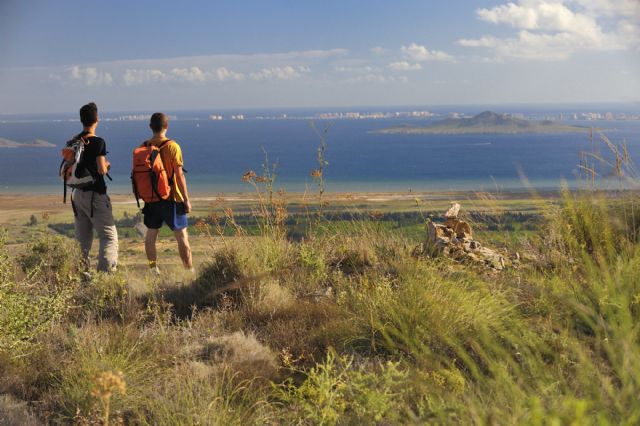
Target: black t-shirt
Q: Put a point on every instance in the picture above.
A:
(95, 148)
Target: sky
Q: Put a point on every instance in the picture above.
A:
(150, 55)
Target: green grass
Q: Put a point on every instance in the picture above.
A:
(340, 325)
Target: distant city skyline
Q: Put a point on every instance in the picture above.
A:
(151, 55)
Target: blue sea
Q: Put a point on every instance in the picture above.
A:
(217, 153)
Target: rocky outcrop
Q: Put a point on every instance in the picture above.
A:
(454, 239)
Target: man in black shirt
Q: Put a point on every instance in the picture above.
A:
(92, 205)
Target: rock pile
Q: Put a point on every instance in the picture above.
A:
(454, 239)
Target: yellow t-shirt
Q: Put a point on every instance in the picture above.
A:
(171, 155)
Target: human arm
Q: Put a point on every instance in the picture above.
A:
(181, 181)
(103, 165)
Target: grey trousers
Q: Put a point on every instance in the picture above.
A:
(93, 211)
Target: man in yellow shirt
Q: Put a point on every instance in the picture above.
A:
(172, 211)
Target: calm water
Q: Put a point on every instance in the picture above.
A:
(218, 153)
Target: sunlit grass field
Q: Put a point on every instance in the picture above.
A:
(340, 325)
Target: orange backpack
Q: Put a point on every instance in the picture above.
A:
(148, 176)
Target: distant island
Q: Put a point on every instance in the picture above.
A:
(36, 143)
(485, 122)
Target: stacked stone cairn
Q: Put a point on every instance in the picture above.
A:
(454, 239)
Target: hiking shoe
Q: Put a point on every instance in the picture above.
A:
(85, 276)
(154, 271)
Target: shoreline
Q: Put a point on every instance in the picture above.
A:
(17, 208)
(14, 200)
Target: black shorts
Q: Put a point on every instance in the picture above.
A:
(169, 212)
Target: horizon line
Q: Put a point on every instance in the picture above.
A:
(435, 105)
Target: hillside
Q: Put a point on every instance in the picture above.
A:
(485, 122)
(358, 322)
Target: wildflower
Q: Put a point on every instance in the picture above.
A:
(106, 383)
(262, 179)
(281, 214)
(202, 226)
(316, 173)
(248, 176)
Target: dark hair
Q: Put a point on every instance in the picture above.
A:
(89, 114)
(158, 122)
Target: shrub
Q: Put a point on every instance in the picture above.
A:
(7, 270)
(52, 260)
(338, 391)
(26, 313)
(44, 296)
(104, 297)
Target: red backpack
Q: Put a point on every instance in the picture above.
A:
(148, 176)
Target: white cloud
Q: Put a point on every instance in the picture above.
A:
(89, 76)
(190, 75)
(404, 66)
(551, 30)
(541, 15)
(628, 8)
(365, 69)
(416, 52)
(279, 73)
(377, 78)
(630, 32)
(223, 74)
(196, 75)
(530, 46)
(378, 50)
(194, 70)
(136, 77)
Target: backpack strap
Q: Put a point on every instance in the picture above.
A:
(162, 145)
(84, 138)
(64, 181)
(165, 143)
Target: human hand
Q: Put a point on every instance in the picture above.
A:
(187, 206)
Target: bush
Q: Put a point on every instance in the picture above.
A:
(104, 297)
(337, 391)
(52, 260)
(26, 313)
(43, 297)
